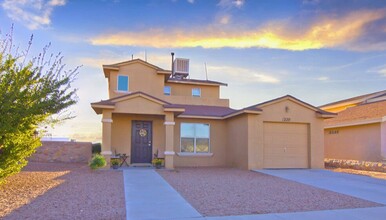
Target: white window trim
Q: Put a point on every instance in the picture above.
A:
(123, 92)
(186, 154)
(128, 82)
(194, 153)
(199, 89)
(170, 90)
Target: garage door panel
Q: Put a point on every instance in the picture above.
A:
(285, 145)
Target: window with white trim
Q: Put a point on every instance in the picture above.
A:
(195, 138)
(167, 90)
(196, 92)
(123, 83)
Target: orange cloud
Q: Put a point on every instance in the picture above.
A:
(323, 33)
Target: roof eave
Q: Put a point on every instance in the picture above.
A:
(98, 108)
(108, 68)
(354, 123)
(200, 117)
(325, 116)
(164, 72)
(197, 83)
(243, 111)
(166, 109)
(353, 100)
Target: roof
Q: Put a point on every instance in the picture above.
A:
(363, 112)
(110, 103)
(356, 99)
(203, 110)
(112, 100)
(115, 66)
(199, 111)
(316, 109)
(159, 70)
(196, 81)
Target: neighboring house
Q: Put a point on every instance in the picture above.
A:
(359, 130)
(153, 110)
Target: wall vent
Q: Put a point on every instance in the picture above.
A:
(181, 67)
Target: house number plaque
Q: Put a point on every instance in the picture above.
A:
(142, 132)
(286, 119)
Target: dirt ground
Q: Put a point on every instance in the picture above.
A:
(73, 191)
(225, 191)
(63, 191)
(378, 175)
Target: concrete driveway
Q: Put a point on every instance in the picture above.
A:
(148, 196)
(363, 187)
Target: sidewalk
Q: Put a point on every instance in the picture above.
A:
(149, 196)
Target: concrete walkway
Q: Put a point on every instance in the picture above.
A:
(149, 196)
(363, 187)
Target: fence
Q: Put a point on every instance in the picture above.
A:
(63, 151)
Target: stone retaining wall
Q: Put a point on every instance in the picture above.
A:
(61, 151)
(355, 164)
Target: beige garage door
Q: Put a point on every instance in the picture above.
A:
(285, 145)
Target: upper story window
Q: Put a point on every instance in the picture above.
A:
(195, 138)
(196, 92)
(167, 90)
(123, 83)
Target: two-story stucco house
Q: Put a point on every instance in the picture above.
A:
(151, 110)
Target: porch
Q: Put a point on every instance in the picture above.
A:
(139, 137)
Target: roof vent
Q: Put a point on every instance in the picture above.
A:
(181, 68)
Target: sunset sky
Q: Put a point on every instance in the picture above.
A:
(319, 51)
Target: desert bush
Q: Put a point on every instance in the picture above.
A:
(34, 92)
(97, 161)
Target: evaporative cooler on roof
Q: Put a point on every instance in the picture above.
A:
(181, 68)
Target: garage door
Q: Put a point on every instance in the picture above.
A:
(285, 145)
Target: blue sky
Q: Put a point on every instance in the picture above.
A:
(318, 51)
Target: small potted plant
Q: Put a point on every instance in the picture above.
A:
(157, 162)
(115, 163)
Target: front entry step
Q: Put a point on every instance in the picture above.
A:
(141, 165)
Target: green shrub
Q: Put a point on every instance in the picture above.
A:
(34, 92)
(115, 161)
(97, 162)
(96, 148)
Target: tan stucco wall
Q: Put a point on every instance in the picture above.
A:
(218, 143)
(138, 105)
(237, 142)
(297, 113)
(245, 137)
(182, 94)
(361, 142)
(121, 132)
(186, 90)
(141, 78)
(145, 79)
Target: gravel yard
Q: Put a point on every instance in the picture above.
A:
(63, 191)
(225, 191)
(374, 174)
